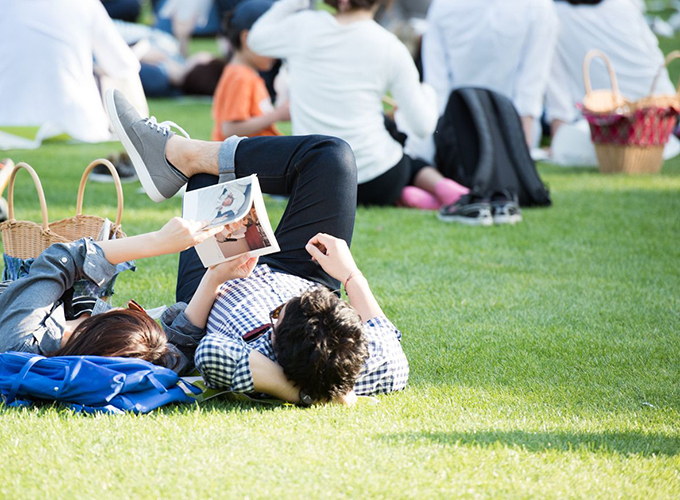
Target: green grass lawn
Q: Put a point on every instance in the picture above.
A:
(544, 360)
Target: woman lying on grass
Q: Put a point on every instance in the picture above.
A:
(36, 315)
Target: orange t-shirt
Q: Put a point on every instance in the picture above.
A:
(240, 94)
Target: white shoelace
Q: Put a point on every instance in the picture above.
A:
(164, 127)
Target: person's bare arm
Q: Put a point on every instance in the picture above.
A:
(528, 128)
(555, 126)
(175, 236)
(268, 377)
(201, 303)
(253, 126)
(335, 258)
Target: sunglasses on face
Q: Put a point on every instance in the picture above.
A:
(274, 315)
(134, 306)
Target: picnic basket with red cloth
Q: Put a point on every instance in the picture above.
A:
(629, 137)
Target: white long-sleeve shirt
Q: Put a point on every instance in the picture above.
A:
(46, 65)
(502, 45)
(338, 77)
(617, 28)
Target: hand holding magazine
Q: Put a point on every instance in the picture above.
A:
(238, 206)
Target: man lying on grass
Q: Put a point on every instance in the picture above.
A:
(280, 331)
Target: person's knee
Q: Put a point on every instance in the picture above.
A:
(338, 157)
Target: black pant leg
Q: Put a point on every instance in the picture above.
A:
(385, 190)
(319, 175)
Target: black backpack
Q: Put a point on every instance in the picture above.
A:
(480, 144)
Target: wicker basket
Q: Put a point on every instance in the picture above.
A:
(82, 226)
(26, 239)
(629, 159)
(601, 100)
(629, 137)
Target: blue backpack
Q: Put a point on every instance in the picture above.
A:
(91, 383)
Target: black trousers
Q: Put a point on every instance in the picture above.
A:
(318, 174)
(385, 190)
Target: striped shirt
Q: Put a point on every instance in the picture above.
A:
(243, 305)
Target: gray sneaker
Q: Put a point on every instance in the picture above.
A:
(144, 140)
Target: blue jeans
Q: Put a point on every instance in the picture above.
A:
(318, 174)
(156, 82)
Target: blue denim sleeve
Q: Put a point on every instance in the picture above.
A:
(30, 316)
(182, 334)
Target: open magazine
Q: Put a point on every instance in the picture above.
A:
(238, 206)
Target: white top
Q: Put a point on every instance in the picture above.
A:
(616, 27)
(338, 77)
(502, 45)
(46, 65)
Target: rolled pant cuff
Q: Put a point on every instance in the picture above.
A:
(226, 159)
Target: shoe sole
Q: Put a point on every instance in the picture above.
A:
(507, 219)
(140, 168)
(484, 221)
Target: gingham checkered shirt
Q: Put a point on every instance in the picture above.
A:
(243, 305)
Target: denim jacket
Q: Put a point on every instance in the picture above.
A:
(32, 317)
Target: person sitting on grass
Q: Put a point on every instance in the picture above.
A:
(281, 331)
(341, 66)
(37, 315)
(241, 105)
(503, 46)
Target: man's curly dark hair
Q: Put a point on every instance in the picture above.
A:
(319, 342)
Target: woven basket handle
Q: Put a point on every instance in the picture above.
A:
(38, 188)
(592, 54)
(116, 181)
(669, 59)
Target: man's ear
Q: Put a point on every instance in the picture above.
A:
(243, 36)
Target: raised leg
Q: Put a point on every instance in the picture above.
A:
(318, 173)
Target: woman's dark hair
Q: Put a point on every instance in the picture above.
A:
(231, 33)
(121, 332)
(202, 79)
(360, 4)
(319, 342)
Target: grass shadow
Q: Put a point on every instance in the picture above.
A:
(223, 405)
(624, 443)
